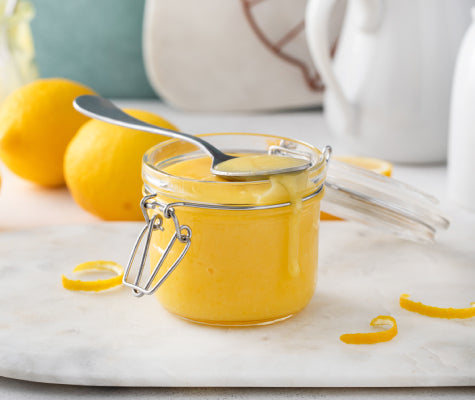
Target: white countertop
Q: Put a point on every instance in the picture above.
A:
(20, 390)
(23, 205)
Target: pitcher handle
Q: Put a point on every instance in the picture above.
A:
(317, 17)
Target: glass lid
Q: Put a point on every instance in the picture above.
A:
(367, 197)
(351, 192)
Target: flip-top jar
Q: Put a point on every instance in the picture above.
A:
(231, 253)
(246, 253)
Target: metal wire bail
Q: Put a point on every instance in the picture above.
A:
(182, 234)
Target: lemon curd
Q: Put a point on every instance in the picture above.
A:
(259, 163)
(253, 254)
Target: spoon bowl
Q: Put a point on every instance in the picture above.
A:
(104, 110)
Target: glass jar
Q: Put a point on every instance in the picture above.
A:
(246, 253)
(230, 253)
(17, 54)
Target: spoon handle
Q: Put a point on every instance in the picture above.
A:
(104, 110)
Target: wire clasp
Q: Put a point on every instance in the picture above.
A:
(143, 285)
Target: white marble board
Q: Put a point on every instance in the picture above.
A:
(49, 334)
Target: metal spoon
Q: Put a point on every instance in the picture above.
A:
(102, 109)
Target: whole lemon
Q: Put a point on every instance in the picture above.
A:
(102, 166)
(37, 121)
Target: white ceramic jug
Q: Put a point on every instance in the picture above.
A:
(388, 87)
(461, 160)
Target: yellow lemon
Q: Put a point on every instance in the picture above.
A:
(37, 121)
(102, 166)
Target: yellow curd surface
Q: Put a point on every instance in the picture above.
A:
(245, 266)
(259, 163)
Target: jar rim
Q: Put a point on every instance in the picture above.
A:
(156, 179)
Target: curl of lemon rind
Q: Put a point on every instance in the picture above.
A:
(436, 312)
(373, 337)
(99, 284)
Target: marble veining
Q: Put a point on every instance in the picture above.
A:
(49, 334)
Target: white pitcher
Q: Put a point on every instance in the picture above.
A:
(461, 162)
(388, 87)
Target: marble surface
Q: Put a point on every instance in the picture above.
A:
(49, 334)
(23, 206)
(12, 389)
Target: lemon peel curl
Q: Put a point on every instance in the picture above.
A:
(436, 312)
(373, 337)
(96, 285)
